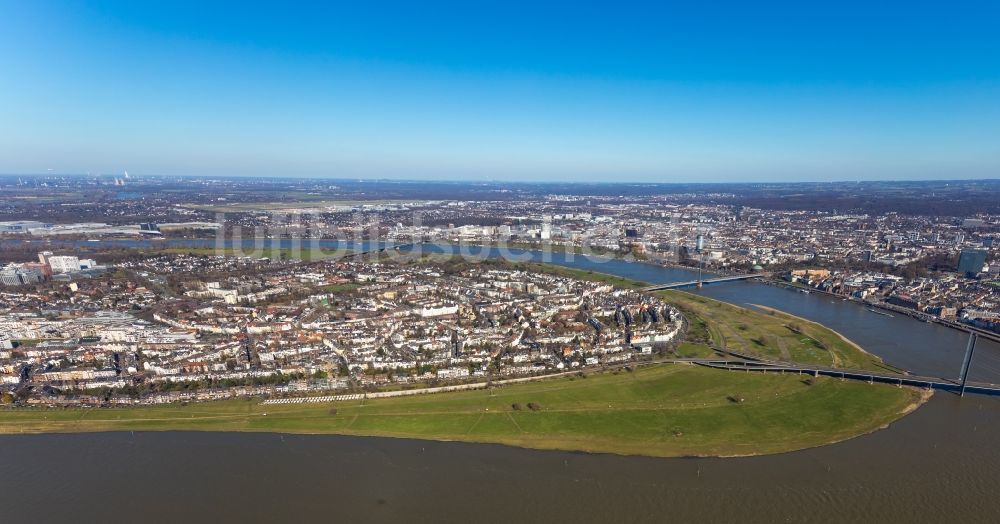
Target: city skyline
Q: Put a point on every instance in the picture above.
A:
(507, 93)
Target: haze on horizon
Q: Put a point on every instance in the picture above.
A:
(504, 91)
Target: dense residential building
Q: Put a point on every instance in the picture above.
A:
(315, 326)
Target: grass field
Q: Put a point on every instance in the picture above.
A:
(769, 333)
(661, 410)
(693, 350)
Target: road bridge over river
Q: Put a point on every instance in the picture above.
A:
(700, 282)
(753, 363)
(854, 374)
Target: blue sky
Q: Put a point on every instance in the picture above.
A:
(707, 91)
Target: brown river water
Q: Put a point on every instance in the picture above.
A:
(938, 464)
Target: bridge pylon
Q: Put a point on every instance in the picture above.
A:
(967, 361)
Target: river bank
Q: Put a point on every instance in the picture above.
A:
(929, 466)
(916, 315)
(806, 320)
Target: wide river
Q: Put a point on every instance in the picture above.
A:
(939, 463)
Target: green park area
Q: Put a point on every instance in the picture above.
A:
(769, 334)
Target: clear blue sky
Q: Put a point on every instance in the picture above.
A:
(478, 90)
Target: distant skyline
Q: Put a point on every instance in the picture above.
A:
(505, 91)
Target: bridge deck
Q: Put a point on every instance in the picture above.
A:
(855, 374)
(674, 285)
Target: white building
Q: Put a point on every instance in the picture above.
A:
(64, 264)
(438, 311)
(17, 274)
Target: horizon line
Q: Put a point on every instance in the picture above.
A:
(506, 181)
